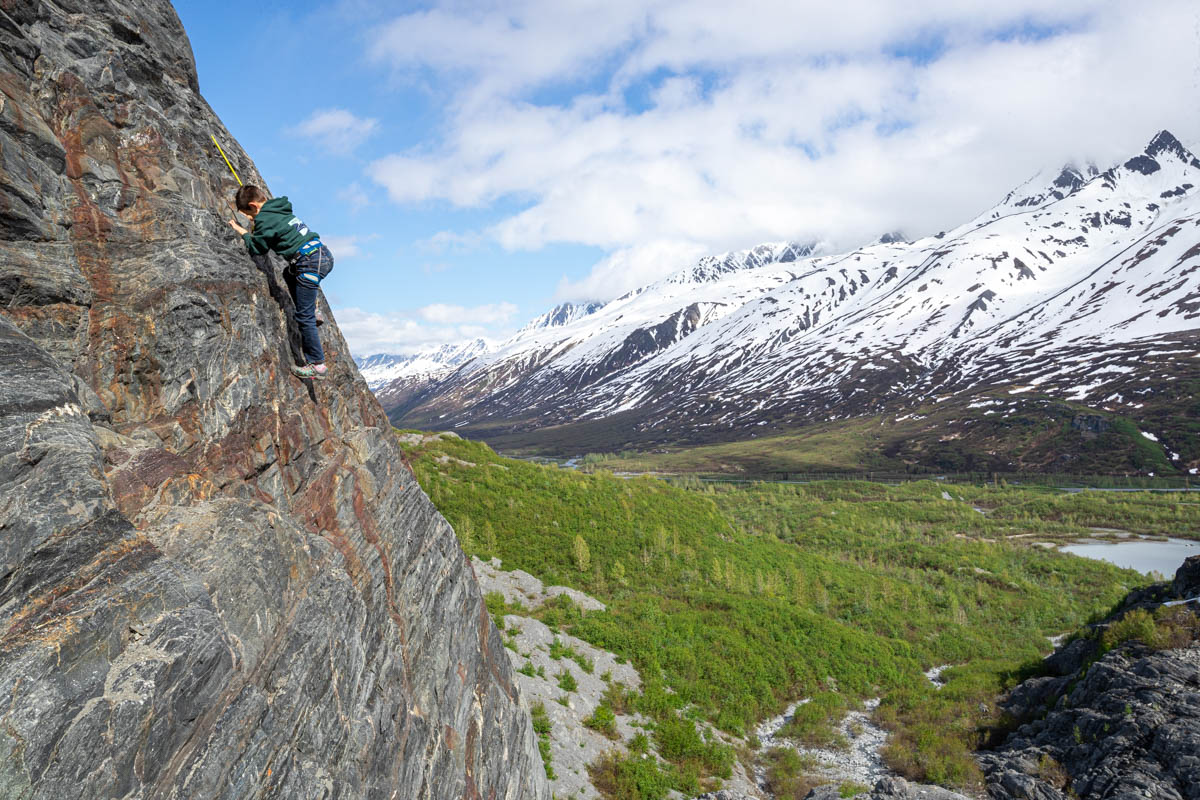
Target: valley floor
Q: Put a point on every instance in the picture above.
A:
(732, 602)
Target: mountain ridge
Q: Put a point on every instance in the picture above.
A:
(783, 338)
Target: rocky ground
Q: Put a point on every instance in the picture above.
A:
(858, 763)
(1117, 725)
(531, 646)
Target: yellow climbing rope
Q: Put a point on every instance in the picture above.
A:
(222, 152)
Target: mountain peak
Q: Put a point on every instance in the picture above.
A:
(711, 268)
(1164, 142)
(1037, 191)
(563, 314)
(1071, 178)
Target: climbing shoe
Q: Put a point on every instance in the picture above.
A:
(310, 371)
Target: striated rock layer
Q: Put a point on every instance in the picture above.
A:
(215, 580)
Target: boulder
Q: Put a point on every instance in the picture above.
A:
(1186, 585)
(1126, 725)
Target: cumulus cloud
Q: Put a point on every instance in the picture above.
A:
(452, 242)
(336, 129)
(663, 129)
(478, 315)
(354, 197)
(342, 247)
(629, 268)
(402, 333)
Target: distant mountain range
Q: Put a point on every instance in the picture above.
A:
(1079, 289)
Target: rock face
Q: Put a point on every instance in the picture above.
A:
(215, 580)
(1124, 726)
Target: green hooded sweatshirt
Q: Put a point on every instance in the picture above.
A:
(277, 228)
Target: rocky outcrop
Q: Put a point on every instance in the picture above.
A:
(1124, 725)
(890, 788)
(215, 581)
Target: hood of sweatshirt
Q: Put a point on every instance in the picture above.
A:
(277, 205)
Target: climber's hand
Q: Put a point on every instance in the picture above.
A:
(241, 231)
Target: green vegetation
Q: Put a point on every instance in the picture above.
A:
(789, 774)
(935, 730)
(732, 600)
(815, 723)
(541, 728)
(631, 777)
(1165, 628)
(679, 742)
(603, 720)
(558, 651)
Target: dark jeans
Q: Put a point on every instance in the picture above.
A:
(299, 276)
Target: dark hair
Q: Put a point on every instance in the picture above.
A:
(248, 194)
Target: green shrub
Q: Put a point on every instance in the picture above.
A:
(559, 651)
(789, 775)
(603, 720)
(620, 777)
(678, 740)
(814, 723)
(541, 728)
(1136, 625)
(566, 681)
(619, 697)
(541, 722)
(1168, 627)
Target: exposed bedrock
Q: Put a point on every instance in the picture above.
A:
(1121, 726)
(215, 580)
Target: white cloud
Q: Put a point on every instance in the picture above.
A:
(368, 332)
(342, 247)
(660, 129)
(354, 197)
(336, 129)
(629, 268)
(461, 315)
(452, 242)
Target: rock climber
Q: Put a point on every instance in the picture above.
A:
(275, 227)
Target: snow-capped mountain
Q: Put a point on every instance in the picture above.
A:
(1078, 285)
(381, 369)
(561, 315)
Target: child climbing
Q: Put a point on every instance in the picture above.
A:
(276, 228)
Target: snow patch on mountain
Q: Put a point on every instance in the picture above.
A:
(380, 369)
(1065, 286)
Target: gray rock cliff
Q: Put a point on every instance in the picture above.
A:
(1118, 725)
(215, 581)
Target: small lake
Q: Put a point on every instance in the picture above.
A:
(1141, 554)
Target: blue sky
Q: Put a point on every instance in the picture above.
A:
(474, 163)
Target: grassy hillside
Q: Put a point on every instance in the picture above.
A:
(733, 600)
